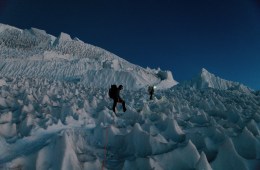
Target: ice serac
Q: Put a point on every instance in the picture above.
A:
(173, 131)
(69, 59)
(47, 124)
(246, 144)
(208, 80)
(180, 158)
(203, 163)
(228, 158)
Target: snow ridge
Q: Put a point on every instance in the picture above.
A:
(34, 53)
(208, 80)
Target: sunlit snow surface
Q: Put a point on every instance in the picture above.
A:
(59, 116)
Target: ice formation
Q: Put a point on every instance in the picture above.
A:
(55, 112)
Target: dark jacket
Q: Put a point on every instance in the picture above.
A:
(117, 95)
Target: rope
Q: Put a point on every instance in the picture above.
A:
(105, 149)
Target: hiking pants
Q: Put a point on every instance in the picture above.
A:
(151, 96)
(118, 101)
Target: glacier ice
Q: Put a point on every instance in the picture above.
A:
(55, 112)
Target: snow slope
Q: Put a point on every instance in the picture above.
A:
(208, 80)
(56, 119)
(34, 53)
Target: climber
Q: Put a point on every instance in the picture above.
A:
(151, 91)
(114, 93)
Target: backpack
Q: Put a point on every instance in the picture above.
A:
(112, 91)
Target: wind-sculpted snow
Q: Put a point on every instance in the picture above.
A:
(208, 80)
(33, 53)
(55, 112)
(51, 124)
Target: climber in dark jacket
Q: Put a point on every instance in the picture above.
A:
(118, 99)
(151, 91)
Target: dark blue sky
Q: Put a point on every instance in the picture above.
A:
(183, 36)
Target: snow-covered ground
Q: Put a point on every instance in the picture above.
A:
(47, 124)
(55, 112)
